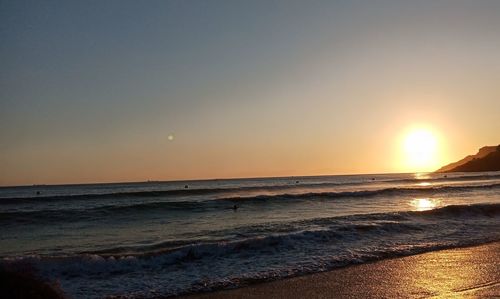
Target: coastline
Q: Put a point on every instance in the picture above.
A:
(471, 272)
(449, 273)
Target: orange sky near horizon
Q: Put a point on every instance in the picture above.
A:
(173, 91)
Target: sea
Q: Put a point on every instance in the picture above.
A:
(160, 239)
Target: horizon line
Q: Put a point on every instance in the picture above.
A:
(207, 179)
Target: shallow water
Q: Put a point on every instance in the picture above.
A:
(167, 238)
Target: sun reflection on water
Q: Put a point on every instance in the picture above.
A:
(421, 176)
(424, 204)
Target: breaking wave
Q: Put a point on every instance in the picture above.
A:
(325, 243)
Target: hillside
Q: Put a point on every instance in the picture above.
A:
(487, 159)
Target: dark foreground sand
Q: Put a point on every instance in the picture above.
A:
(24, 285)
(472, 272)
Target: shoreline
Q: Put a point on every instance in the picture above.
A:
(471, 271)
(461, 271)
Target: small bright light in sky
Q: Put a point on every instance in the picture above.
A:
(420, 148)
(170, 137)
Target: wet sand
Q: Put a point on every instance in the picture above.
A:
(472, 272)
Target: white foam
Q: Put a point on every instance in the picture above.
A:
(328, 243)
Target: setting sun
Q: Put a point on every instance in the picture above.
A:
(203, 148)
(420, 147)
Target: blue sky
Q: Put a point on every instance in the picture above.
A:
(91, 90)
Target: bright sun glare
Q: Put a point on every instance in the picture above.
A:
(423, 204)
(420, 147)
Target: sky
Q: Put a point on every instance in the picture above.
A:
(107, 91)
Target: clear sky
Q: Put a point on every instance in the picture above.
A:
(102, 91)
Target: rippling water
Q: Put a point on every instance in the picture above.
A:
(168, 238)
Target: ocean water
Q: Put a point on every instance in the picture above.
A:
(169, 238)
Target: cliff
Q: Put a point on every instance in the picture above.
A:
(487, 159)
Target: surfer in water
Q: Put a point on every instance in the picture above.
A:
(235, 207)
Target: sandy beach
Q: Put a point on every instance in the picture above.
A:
(471, 272)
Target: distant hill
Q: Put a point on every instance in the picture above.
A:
(483, 152)
(487, 159)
